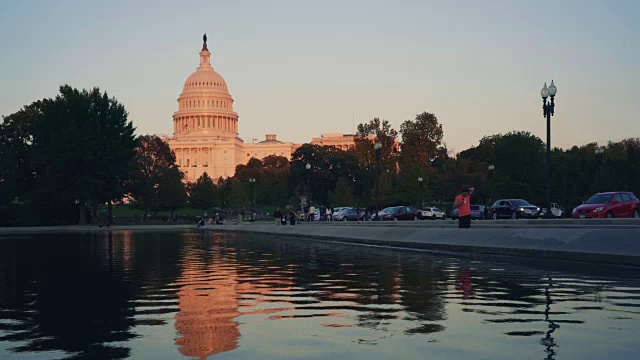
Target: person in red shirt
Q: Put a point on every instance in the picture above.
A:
(463, 204)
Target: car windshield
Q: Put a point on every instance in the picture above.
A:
(345, 210)
(475, 207)
(386, 210)
(599, 199)
(435, 210)
(518, 202)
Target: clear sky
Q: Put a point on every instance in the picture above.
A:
(299, 68)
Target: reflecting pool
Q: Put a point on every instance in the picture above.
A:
(171, 295)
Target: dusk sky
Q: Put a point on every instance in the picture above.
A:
(299, 68)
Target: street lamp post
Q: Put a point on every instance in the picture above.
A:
(252, 183)
(548, 111)
(420, 185)
(599, 156)
(308, 167)
(377, 147)
(491, 167)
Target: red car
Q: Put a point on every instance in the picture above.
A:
(609, 205)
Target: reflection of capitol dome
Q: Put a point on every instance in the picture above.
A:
(205, 105)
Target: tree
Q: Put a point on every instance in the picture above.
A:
(514, 176)
(155, 181)
(343, 194)
(202, 194)
(327, 165)
(368, 134)
(83, 143)
(17, 177)
(238, 197)
(420, 141)
(376, 130)
(172, 193)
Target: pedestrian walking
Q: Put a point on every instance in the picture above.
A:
(463, 204)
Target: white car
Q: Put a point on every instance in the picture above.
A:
(433, 213)
(555, 210)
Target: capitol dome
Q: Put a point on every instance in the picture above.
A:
(205, 79)
(205, 105)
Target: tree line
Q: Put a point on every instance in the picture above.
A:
(62, 158)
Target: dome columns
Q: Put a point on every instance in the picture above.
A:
(197, 123)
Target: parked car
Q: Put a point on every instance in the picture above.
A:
(556, 211)
(514, 209)
(396, 213)
(348, 214)
(609, 205)
(477, 212)
(433, 213)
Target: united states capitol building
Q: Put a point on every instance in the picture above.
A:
(206, 134)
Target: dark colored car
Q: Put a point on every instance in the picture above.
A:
(514, 209)
(477, 212)
(396, 213)
(609, 205)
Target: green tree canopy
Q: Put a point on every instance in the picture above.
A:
(154, 179)
(83, 143)
(202, 194)
(420, 141)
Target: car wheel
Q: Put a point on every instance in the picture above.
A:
(444, 217)
(344, 218)
(434, 217)
(514, 215)
(609, 215)
(636, 214)
(494, 215)
(395, 219)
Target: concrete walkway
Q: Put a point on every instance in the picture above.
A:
(614, 241)
(603, 242)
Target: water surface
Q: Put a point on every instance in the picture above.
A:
(171, 295)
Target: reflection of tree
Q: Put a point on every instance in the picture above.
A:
(74, 303)
(548, 340)
(424, 285)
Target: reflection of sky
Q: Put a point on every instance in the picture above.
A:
(479, 66)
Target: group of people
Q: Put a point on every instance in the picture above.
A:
(281, 217)
(217, 220)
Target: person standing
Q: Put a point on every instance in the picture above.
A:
(463, 204)
(292, 217)
(277, 215)
(328, 213)
(312, 212)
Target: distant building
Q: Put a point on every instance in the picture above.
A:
(205, 129)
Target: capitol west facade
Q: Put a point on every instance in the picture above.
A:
(205, 129)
